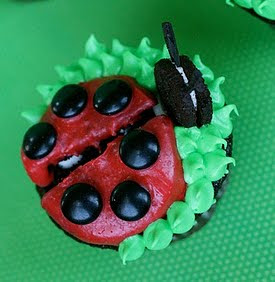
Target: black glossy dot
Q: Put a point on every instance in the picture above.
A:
(69, 101)
(139, 149)
(130, 201)
(39, 140)
(112, 97)
(81, 203)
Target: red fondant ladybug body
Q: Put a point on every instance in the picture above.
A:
(129, 184)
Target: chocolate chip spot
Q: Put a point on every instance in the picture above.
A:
(139, 149)
(81, 203)
(112, 97)
(39, 140)
(130, 201)
(69, 101)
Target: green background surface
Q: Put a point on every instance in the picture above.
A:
(236, 245)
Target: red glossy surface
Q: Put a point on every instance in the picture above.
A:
(86, 129)
(163, 180)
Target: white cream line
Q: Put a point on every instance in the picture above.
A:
(70, 162)
(182, 73)
(194, 99)
(158, 111)
(185, 79)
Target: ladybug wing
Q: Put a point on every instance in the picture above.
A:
(154, 181)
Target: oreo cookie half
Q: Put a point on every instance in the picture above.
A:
(183, 93)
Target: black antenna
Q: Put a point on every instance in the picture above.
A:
(171, 43)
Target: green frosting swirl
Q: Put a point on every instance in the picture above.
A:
(207, 73)
(180, 217)
(221, 119)
(216, 93)
(34, 115)
(158, 235)
(131, 248)
(264, 8)
(200, 195)
(201, 149)
(212, 165)
(203, 140)
(243, 3)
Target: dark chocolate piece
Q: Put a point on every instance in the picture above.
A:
(112, 97)
(39, 140)
(171, 43)
(69, 101)
(175, 93)
(129, 201)
(81, 203)
(139, 149)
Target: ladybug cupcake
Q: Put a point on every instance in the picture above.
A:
(132, 146)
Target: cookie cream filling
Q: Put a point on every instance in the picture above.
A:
(70, 162)
(158, 110)
(194, 99)
(185, 79)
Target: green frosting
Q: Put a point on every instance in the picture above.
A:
(131, 248)
(207, 73)
(221, 119)
(201, 149)
(264, 8)
(48, 91)
(180, 217)
(200, 195)
(203, 140)
(34, 115)
(158, 235)
(212, 165)
(243, 3)
(216, 93)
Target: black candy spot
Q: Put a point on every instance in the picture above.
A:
(39, 140)
(112, 97)
(69, 101)
(139, 149)
(81, 203)
(130, 201)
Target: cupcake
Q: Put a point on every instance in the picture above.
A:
(264, 9)
(131, 147)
